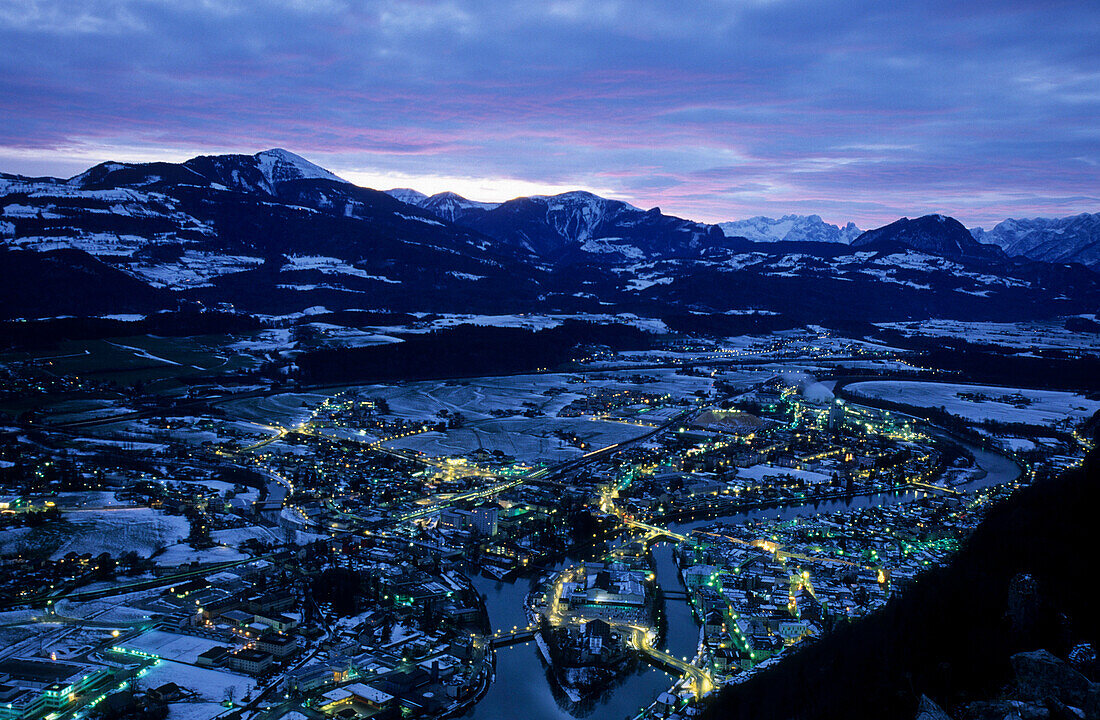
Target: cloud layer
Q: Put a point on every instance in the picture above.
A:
(854, 109)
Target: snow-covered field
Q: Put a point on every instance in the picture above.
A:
(1046, 408)
(104, 611)
(87, 498)
(527, 440)
(474, 398)
(759, 472)
(97, 531)
(141, 434)
(350, 337)
(193, 269)
(1015, 444)
(233, 537)
(287, 409)
(182, 553)
(170, 646)
(264, 341)
(195, 710)
(87, 409)
(210, 685)
(1038, 335)
(532, 321)
(329, 266)
(131, 445)
(117, 531)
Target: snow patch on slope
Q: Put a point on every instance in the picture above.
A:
(278, 165)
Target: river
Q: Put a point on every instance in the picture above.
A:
(998, 469)
(523, 689)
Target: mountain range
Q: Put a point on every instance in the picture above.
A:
(1068, 239)
(274, 234)
(798, 228)
(1074, 239)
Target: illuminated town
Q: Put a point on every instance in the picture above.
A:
(565, 360)
(642, 528)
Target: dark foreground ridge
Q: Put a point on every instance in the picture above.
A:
(951, 635)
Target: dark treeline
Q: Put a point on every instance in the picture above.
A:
(981, 363)
(362, 318)
(722, 325)
(950, 634)
(48, 332)
(467, 350)
(1019, 371)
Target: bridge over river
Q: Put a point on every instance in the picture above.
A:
(701, 681)
(518, 635)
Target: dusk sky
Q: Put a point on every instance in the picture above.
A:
(861, 110)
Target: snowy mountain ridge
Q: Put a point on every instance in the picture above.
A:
(451, 206)
(790, 228)
(273, 233)
(1070, 239)
(264, 172)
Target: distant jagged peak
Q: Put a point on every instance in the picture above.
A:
(452, 198)
(407, 195)
(452, 206)
(447, 205)
(790, 228)
(1074, 238)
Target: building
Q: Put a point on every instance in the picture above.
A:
(278, 644)
(168, 692)
(272, 602)
(213, 657)
(275, 621)
(251, 661)
(238, 618)
(312, 677)
(598, 635)
(31, 688)
(357, 696)
(482, 521)
(608, 594)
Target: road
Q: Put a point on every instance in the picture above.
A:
(123, 588)
(701, 681)
(544, 474)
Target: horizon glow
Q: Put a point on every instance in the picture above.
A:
(854, 110)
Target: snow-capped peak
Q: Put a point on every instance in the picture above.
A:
(278, 165)
(407, 195)
(790, 228)
(580, 199)
(451, 206)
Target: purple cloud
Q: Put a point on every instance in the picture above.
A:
(857, 110)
